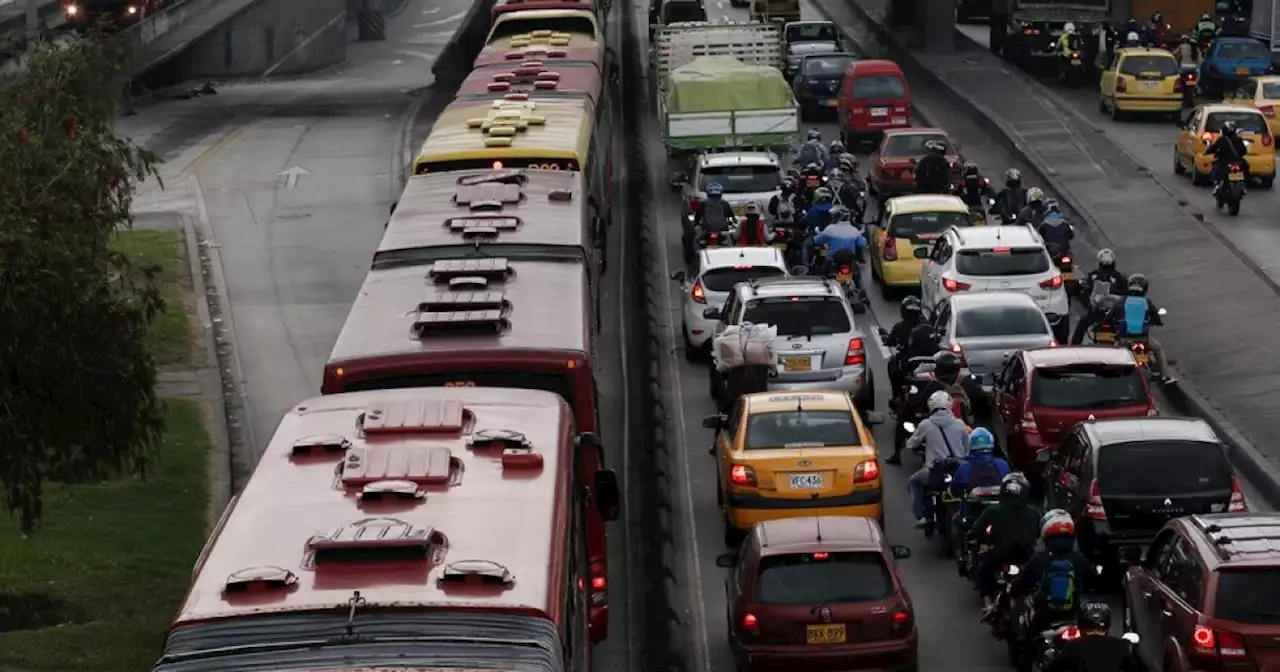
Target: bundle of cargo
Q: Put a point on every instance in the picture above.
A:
(718, 102)
(744, 345)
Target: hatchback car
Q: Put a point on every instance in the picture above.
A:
(987, 328)
(893, 164)
(995, 259)
(719, 269)
(109, 13)
(1140, 80)
(904, 224)
(816, 81)
(1206, 594)
(1230, 60)
(1123, 479)
(874, 98)
(819, 345)
(819, 594)
(1262, 94)
(1040, 394)
(747, 177)
(1205, 125)
(787, 454)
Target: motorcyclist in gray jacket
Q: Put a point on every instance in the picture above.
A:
(942, 435)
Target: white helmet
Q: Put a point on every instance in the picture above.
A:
(1106, 257)
(1035, 194)
(1069, 28)
(1131, 37)
(939, 401)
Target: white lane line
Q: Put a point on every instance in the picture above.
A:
(431, 10)
(441, 22)
(430, 38)
(416, 54)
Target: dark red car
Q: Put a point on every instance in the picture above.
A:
(819, 594)
(1041, 394)
(893, 163)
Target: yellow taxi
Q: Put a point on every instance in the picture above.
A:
(1204, 126)
(908, 223)
(1262, 94)
(1140, 80)
(794, 454)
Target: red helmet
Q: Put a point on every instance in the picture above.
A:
(1057, 523)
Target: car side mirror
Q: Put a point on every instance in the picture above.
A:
(1042, 457)
(873, 419)
(1222, 8)
(726, 560)
(1131, 555)
(679, 276)
(920, 253)
(711, 313)
(716, 422)
(607, 494)
(900, 552)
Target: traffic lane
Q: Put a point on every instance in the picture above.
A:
(1151, 142)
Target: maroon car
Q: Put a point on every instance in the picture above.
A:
(893, 163)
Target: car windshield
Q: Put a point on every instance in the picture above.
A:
(912, 144)
(826, 66)
(742, 179)
(787, 429)
(1242, 51)
(979, 321)
(560, 24)
(812, 32)
(1246, 122)
(1149, 65)
(723, 279)
(1162, 468)
(1271, 90)
(1249, 596)
(1003, 261)
(866, 87)
(823, 578)
(678, 12)
(800, 315)
(1088, 387)
(925, 223)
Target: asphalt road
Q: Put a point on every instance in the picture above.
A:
(952, 639)
(1256, 231)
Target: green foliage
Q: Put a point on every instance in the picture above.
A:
(77, 396)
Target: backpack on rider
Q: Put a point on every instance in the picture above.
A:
(1058, 590)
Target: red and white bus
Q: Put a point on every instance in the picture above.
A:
(434, 528)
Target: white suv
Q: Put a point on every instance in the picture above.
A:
(719, 269)
(819, 345)
(995, 258)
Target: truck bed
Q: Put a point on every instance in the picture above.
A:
(694, 131)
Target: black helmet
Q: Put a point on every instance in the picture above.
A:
(1229, 128)
(946, 365)
(1138, 284)
(910, 308)
(788, 186)
(1094, 617)
(1132, 25)
(970, 169)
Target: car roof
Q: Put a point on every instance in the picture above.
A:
(718, 159)
(997, 236)
(876, 66)
(914, 130)
(914, 203)
(1239, 539)
(828, 54)
(1143, 51)
(1128, 430)
(1214, 108)
(1268, 79)
(965, 300)
(781, 400)
(819, 533)
(724, 257)
(1079, 354)
(783, 286)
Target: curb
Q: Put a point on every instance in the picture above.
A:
(1185, 397)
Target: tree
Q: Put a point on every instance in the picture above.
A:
(77, 395)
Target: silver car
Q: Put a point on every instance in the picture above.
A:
(985, 328)
(747, 177)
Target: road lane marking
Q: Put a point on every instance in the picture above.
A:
(440, 22)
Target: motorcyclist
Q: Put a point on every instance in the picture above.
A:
(982, 469)
(850, 192)
(897, 338)
(752, 231)
(1054, 578)
(1033, 212)
(811, 180)
(785, 207)
(1138, 314)
(845, 242)
(812, 150)
(975, 190)
(1095, 650)
(1157, 31)
(1054, 228)
(943, 436)
(1010, 199)
(1010, 528)
(1103, 309)
(1229, 148)
(835, 152)
(933, 171)
(816, 218)
(1186, 51)
(1104, 279)
(712, 215)
(946, 378)
(1206, 30)
(1068, 43)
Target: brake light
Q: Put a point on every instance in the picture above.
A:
(902, 617)
(1070, 633)
(1203, 640)
(1052, 283)
(845, 269)
(955, 347)
(1177, 85)
(741, 474)
(821, 555)
(1028, 423)
(954, 286)
(1268, 111)
(1230, 644)
(1066, 260)
(693, 203)
(856, 354)
(1237, 497)
(1121, 86)
(1266, 140)
(866, 472)
(1094, 504)
(1209, 642)
(890, 249)
(750, 622)
(698, 294)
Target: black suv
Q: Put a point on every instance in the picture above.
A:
(1123, 479)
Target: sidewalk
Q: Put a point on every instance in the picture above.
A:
(1224, 312)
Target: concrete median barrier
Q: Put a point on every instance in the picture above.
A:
(455, 59)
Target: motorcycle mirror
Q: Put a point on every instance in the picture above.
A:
(902, 553)
(881, 330)
(1131, 637)
(1042, 457)
(1013, 570)
(1162, 311)
(711, 314)
(726, 560)
(909, 426)
(920, 253)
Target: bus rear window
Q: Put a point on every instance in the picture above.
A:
(521, 380)
(532, 162)
(559, 24)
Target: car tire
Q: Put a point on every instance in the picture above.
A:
(732, 537)
(866, 399)
(887, 292)
(1197, 178)
(1116, 114)
(1102, 104)
(1268, 182)
(691, 353)
(1177, 165)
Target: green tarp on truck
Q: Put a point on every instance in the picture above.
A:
(718, 101)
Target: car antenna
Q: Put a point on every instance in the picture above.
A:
(355, 602)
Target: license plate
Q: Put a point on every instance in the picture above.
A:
(806, 481)
(780, 246)
(1075, 61)
(1141, 357)
(1242, 71)
(1235, 177)
(797, 363)
(831, 102)
(1150, 86)
(1104, 337)
(879, 111)
(829, 633)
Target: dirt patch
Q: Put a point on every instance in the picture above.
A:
(32, 611)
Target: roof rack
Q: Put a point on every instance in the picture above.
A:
(488, 269)
(1238, 535)
(505, 120)
(487, 195)
(482, 227)
(448, 301)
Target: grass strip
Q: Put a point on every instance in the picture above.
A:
(172, 337)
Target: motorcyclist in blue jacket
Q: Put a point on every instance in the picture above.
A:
(1054, 229)
(815, 219)
(842, 236)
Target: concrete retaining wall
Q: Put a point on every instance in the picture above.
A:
(270, 37)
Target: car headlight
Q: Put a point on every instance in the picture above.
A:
(132, 10)
(71, 10)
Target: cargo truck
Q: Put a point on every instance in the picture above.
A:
(1263, 25)
(1035, 26)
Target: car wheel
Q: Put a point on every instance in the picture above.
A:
(1268, 182)
(866, 399)
(1197, 178)
(732, 537)
(1177, 165)
(691, 353)
(1102, 104)
(1116, 114)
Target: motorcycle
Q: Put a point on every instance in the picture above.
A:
(939, 503)
(1073, 73)
(1232, 191)
(844, 276)
(784, 238)
(1138, 345)
(1066, 266)
(1000, 619)
(810, 182)
(1027, 650)
(714, 239)
(971, 550)
(1055, 638)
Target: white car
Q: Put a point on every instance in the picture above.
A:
(719, 270)
(747, 176)
(995, 259)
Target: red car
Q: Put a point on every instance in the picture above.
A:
(893, 163)
(1041, 394)
(819, 594)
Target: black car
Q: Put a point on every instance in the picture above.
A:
(816, 82)
(1123, 479)
(108, 13)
